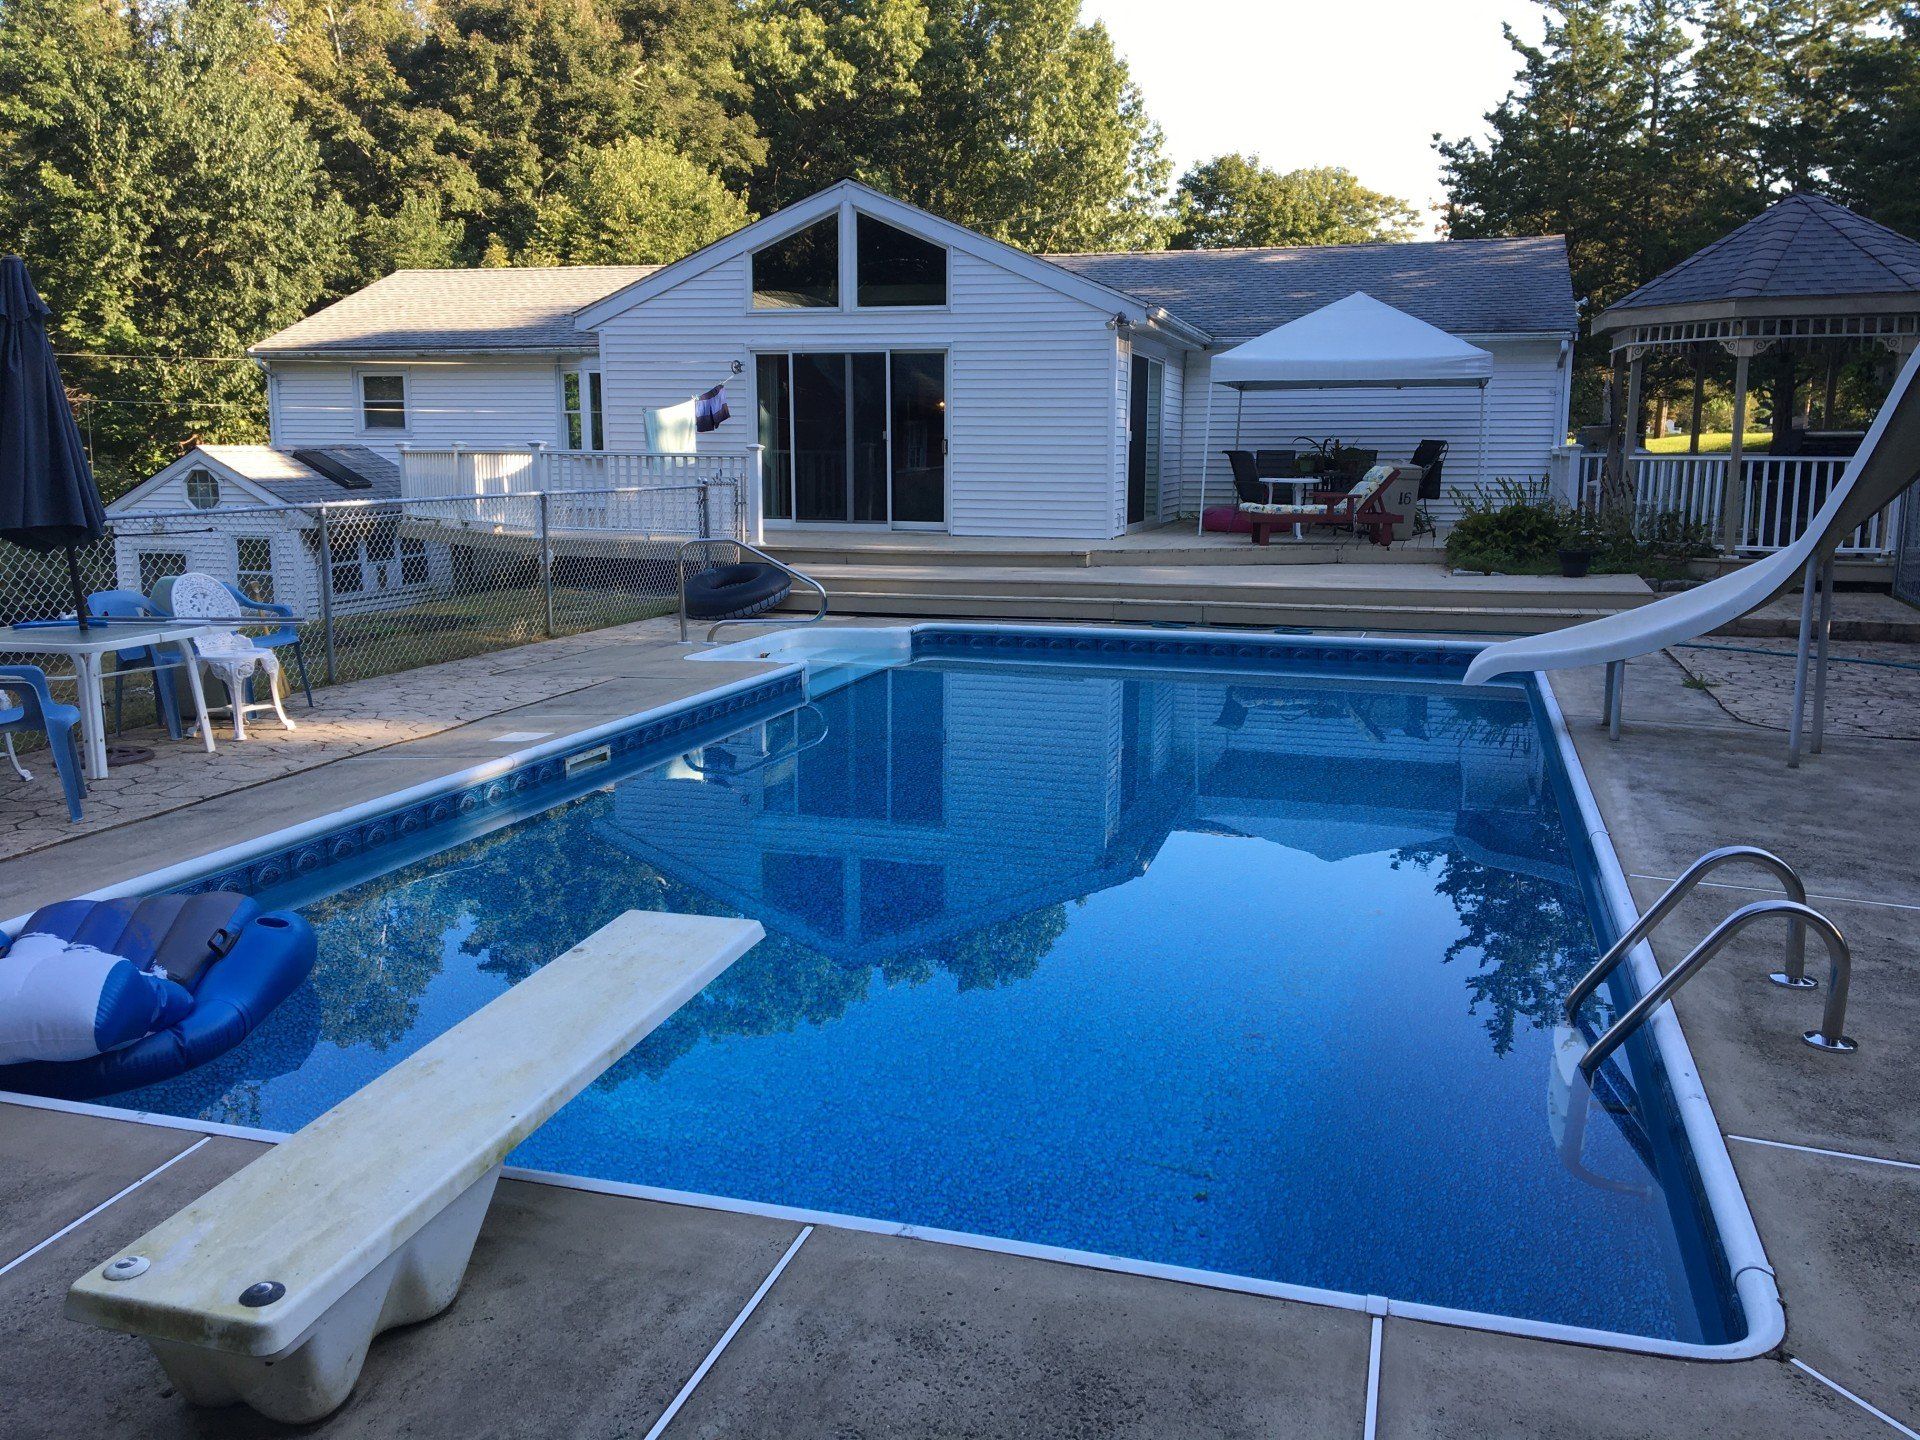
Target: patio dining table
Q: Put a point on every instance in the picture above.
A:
(86, 647)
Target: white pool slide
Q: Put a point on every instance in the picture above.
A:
(1887, 462)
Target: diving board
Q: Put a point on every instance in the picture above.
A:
(1886, 463)
(269, 1288)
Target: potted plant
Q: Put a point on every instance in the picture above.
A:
(1577, 547)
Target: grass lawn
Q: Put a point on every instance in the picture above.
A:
(381, 642)
(1712, 442)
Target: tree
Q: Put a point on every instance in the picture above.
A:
(1877, 165)
(1235, 200)
(635, 202)
(173, 207)
(1009, 116)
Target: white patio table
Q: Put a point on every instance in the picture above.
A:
(86, 647)
(1302, 487)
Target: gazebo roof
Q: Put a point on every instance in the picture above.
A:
(1804, 255)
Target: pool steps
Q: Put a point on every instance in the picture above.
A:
(270, 1288)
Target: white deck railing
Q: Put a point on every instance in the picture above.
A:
(615, 488)
(1781, 492)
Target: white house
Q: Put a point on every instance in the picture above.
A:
(904, 371)
(222, 510)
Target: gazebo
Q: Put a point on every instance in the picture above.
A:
(1806, 283)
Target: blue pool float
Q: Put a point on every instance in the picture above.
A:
(236, 960)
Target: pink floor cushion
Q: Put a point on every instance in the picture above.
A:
(1226, 519)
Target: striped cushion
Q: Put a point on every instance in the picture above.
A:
(1370, 482)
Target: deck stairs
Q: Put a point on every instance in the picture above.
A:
(1204, 587)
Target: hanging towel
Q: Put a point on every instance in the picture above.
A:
(671, 431)
(711, 409)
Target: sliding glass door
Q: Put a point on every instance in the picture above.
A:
(854, 437)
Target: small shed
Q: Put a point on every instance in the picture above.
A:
(251, 515)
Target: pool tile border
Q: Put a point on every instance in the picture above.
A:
(1425, 657)
(402, 823)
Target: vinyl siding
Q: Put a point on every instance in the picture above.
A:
(478, 403)
(1525, 420)
(1029, 384)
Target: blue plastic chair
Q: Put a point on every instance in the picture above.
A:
(131, 604)
(285, 635)
(34, 708)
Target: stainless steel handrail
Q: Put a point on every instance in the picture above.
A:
(1794, 977)
(800, 747)
(1832, 1032)
(799, 575)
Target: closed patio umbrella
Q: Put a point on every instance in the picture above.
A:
(47, 496)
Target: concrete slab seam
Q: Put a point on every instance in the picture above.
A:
(1373, 1381)
(1868, 1406)
(726, 1337)
(1763, 890)
(73, 1225)
(1831, 1154)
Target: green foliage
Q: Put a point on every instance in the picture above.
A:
(1235, 200)
(1518, 530)
(1644, 129)
(172, 206)
(1009, 116)
(634, 202)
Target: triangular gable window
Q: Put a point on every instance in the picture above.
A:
(801, 271)
(896, 268)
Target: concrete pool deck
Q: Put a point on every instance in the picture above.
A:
(592, 1314)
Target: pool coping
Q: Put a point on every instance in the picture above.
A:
(785, 652)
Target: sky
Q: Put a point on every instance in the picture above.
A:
(1358, 83)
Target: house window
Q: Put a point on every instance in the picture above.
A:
(801, 272)
(383, 402)
(896, 268)
(203, 490)
(253, 567)
(157, 565)
(586, 425)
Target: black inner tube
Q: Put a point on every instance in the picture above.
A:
(733, 592)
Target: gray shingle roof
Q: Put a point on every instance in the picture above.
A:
(1802, 246)
(503, 309)
(286, 478)
(1469, 287)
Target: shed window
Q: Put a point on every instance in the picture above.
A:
(383, 402)
(203, 489)
(801, 272)
(253, 567)
(896, 268)
(157, 565)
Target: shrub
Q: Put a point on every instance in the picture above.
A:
(1519, 529)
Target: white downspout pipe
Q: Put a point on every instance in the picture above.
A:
(1206, 452)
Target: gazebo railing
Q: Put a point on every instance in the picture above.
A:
(1781, 493)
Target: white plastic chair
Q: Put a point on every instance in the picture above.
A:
(226, 653)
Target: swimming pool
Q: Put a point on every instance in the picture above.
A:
(1224, 957)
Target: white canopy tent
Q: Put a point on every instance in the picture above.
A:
(1357, 342)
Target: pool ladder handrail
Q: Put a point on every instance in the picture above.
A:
(1793, 977)
(1831, 1036)
(800, 576)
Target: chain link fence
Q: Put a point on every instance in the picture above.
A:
(379, 586)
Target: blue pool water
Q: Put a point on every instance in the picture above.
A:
(1251, 973)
